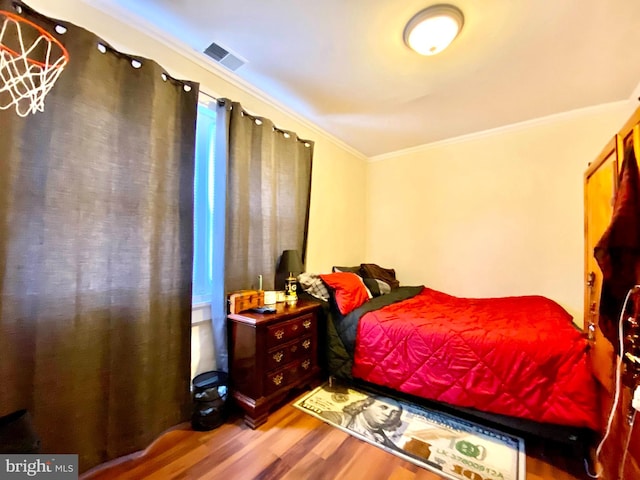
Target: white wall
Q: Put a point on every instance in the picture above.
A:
(202, 346)
(494, 214)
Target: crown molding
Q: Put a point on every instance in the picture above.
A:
(514, 127)
(118, 13)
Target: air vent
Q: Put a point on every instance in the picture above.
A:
(224, 57)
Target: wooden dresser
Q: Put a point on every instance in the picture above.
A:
(270, 354)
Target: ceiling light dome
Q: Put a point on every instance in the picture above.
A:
(433, 29)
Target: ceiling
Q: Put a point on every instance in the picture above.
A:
(342, 64)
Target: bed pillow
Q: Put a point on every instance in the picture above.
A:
(313, 285)
(349, 290)
(383, 287)
(355, 269)
(376, 287)
(372, 286)
(386, 275)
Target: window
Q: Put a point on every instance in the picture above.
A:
(206, 238)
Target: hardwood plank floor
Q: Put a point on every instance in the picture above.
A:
(295, 446)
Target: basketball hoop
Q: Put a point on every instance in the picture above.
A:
(29, 67)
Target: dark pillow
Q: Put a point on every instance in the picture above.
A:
(387, 275)
(372, 286)
(355, 269)
(384, 287)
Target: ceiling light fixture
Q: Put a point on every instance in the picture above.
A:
(432, 30)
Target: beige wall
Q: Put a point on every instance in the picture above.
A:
(491, 215)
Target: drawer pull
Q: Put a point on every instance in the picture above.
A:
(306, 364)
(294, 327)
(306, 324)
(306, 344)
(278, 356)
(278, 379)
(279, 334)
(294, 348)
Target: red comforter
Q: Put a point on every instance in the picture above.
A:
(516, 356)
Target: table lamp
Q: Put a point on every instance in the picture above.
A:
(289, 263)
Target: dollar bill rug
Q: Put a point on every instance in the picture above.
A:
(451, 447)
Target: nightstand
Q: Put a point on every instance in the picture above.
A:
(270, 354)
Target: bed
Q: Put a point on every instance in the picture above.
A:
(514, 357)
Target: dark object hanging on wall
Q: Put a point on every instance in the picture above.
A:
(17, 434)
(618, 250)
(210, 406)
(289, 263)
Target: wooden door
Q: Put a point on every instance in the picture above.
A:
(599, 192)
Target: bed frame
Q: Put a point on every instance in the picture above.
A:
(578, 441)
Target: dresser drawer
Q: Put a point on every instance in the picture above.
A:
(290, 374)
(290, 329)
(288, 352)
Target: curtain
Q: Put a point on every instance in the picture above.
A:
(268, 187)
(96, 232)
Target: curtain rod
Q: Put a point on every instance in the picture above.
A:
(215, 99)
(220, 101)
(103, 46)
(22, 8)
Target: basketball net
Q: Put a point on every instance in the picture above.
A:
(25, 80)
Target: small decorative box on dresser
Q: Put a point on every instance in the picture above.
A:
(271, 353)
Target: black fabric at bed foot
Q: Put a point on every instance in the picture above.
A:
(17, 434)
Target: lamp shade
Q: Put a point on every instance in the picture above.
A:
(432, 30)
(290, 262)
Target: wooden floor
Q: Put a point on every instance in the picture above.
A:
(294, 445)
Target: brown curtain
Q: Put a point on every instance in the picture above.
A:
(96, 232)
(268, 172)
